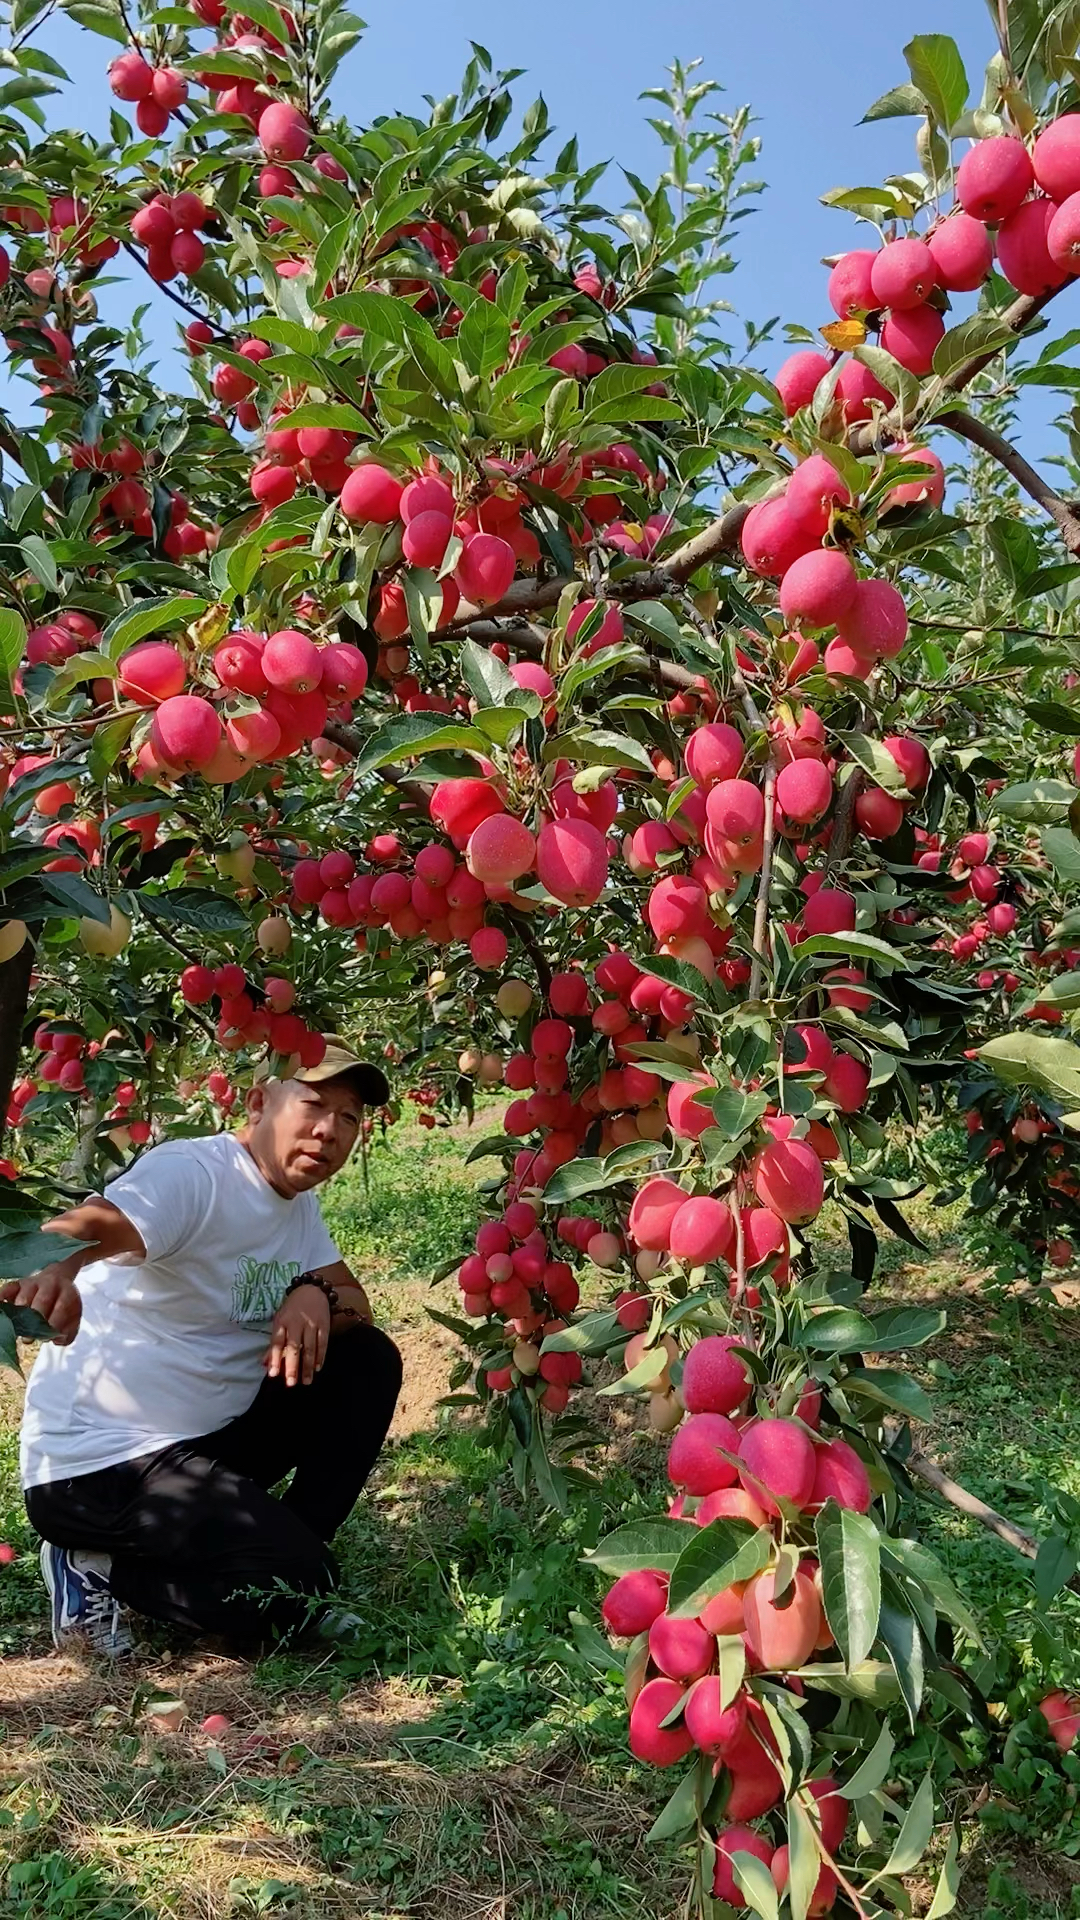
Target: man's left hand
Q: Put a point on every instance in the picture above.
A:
(298, 1336)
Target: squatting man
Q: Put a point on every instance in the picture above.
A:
(210, 1342)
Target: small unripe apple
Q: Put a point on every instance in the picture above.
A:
(238, 861)
(664, 1412)
(526, 1357)
(105, 942)
(274, 934)
(514, 998)
(12, 937)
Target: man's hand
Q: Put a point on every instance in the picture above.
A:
(298, 1336)
(54, 1295)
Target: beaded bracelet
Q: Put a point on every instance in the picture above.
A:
(314, 1280)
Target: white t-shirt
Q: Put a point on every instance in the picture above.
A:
(170, 1347)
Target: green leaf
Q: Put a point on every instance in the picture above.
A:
(680, 1813)
(676, 973)
(26, 1253)
(414, 734)
(899, 1632)
(645, 1543)
(195, 907)
(645, 1373)
(488, 678)
(579, 1177)
(641, 406)
(874, 1770)
(720, 1554)
(1050, 1064)
(856, 946)
(1063, 853)
(730, 1667)
(73, 896)
(914, 1836)
(39, 559)
(1054, 715)
(735, 1112)
(12, 641)
(591, 1335)
(901, 383)
(483, 338)
(756, 1884)
(948, 1880)
(148, 616)
(327, 413)
(1016, 550)
(849, 1549)
(874, 1681)
(910, 1561)
(874, 759)
(886, 1388)
(617, 383)
(108, 743)
(1055, 1564)
(601, 748)
(937, 71)
(804, 1857)
(1036, 801)
(99, 19)
(1063, 990)
(971, 340)
(655, 618)
(898, 104)
(837, 1330)
(381, 314)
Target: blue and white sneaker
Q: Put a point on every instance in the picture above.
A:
(82, 1603)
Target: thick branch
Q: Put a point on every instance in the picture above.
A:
(1062, 512)
(920, 1466)
(528, 596)
(927, 1470)
(866, 439)
(892, 426)
(843, 832)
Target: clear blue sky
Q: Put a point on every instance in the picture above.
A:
(809, 72)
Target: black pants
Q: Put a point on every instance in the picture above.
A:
(195, 1536)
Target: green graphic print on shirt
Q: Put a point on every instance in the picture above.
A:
(259, 1288)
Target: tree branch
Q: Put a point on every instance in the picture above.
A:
(843, 832)
(874, 435)
(1065, 516)
(527, 596)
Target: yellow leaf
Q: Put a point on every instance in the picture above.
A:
(207, 630)
(843, 335)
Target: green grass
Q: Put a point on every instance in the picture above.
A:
(467, 1758)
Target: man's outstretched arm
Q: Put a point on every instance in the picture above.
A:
(52, 1292)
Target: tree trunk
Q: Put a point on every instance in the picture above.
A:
(14, 1000)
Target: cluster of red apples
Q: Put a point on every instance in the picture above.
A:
(1021, 208)
(732, 1460)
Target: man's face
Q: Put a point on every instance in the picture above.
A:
(304, 1132)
